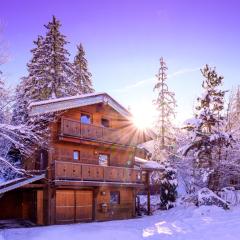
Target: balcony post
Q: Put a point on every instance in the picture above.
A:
(148, 194)
(104, 174)
(80, 129)
(62, 127)
(82, 172)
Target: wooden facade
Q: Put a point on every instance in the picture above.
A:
(89, 166)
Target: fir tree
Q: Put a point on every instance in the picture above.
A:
(34, 82)
(57, 69)
(165, 105)
(49, 73)
(208, 137)
(82, 77)
(30, 88)
(22, 100)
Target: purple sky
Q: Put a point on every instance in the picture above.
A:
(124, 40)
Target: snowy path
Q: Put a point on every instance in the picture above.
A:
(208, 223)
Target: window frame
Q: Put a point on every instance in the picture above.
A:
(105, 119)
(108, 159)
(118, 198)
(86, 114)
(78, 152)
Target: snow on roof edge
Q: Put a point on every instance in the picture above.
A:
(53, 100)
(148, 164)
(38, 106)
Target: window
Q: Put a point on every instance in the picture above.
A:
(85, 118)
(115, 197)
(103, 159)
(233, 182)
(105, 122)
(76, 155)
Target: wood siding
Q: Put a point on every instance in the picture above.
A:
(89, 154)
(125, 209)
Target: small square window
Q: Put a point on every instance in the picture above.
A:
(85, 118)
(115, 197)
(233, 182)
(103, 159)
(105, 123)
(76, 155)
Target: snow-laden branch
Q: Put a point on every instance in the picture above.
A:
(4, 162)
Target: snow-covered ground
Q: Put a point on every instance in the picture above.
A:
(192, 223)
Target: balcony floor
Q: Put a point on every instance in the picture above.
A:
(76, 183)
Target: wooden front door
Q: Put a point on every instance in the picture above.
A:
(84, 206)
(73, 206)
(65, 206)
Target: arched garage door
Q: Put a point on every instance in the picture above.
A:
(74, 206)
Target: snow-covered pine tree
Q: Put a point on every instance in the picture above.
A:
(21, 102)
(165, 105)
(49, 73)
(163, 146)
(81, 75)
(57, 69)
(208, 138)
(30, 88)
(33, 83)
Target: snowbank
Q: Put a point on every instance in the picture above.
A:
(208, 197)
(204, 197)
(192, 223)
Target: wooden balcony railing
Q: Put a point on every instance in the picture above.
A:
(74, 128)
(89, 172)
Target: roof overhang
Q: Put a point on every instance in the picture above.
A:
(60, 104)
(148, 165)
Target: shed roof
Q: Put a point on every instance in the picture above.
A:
(148, 164)
(19, 182)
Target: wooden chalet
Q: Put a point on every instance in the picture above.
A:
(88, 171)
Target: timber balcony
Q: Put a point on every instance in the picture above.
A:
(90, 172)
(75, 129)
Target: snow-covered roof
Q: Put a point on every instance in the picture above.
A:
(148, 164)
(60, 104)
(18, 182)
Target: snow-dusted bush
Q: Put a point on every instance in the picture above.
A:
(168, 188)
(207, 197)
(204, 197)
